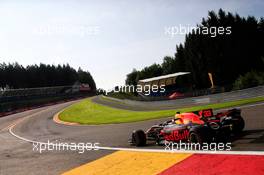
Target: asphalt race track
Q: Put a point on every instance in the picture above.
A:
(17, 155)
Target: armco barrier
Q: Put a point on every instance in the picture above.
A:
(192, 101)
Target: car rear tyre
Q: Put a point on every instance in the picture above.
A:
(238, 125)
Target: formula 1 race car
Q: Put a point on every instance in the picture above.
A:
(195, 127)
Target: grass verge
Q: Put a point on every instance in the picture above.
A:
(87, 112)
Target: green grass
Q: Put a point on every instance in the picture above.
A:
(87, 112)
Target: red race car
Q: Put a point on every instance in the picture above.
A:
(176, 95)
(198, 127)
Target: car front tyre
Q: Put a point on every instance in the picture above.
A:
(139, 138)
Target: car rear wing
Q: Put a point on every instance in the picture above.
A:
(207, 113)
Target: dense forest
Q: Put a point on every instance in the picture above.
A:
(17, 76)
(227, 57)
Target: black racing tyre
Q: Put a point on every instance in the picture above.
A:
(238, 125)
(195, 137)
(224, 135)
(139, 138)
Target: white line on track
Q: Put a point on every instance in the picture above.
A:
(136, 149)
(251, 105)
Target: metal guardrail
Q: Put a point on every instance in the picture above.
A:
(12, 99)
(205, 99)
(184, 91)
(32, 91)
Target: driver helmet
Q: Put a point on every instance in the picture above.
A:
(178, 118)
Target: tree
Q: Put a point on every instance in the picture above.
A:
(168, 65)
(85, 77)
(132, 78)
(225, 56)
(42, 75)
